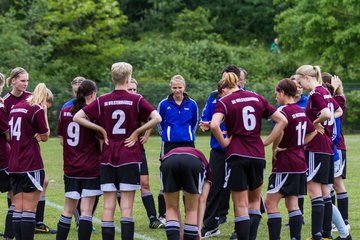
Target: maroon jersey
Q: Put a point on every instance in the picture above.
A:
(195, 153)
(319, 99)
(81, 149)
(119, 113)
(25, 121)
(340, 99)
(10, 100)
(4, 146)
(243, 112)
(292, 160)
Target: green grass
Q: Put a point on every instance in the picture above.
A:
(52, 155)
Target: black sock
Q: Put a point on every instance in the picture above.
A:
(107, 230)
(127, 228)
(172, 228)
(16, 221)
(161, 203)
(274, 225)
(63, 228)
(327, 217)
(255, 219)
(8, 222)
(317, 217)
(40, 211)
(27, 225)
(190, 232)
(242, 227)
(301, 203)
(295, 224)
(332, 194)
(85, 228)
(343, 205)
(149, 204)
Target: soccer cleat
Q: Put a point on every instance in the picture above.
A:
(156, 224)
(222, 220)
(346, 238)
(211, 233)
(162, 219)
(44, 229)
(1, 234)
(233, 236)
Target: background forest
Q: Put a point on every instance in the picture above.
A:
(58, 40)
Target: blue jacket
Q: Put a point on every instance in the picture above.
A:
(68, 103)
(178, 122)
(302, 101)
(206, 116)
(336, 137)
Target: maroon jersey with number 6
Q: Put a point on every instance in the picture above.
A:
(119, 113)
(292, 160)
(4, 146)
(11, 100)
(340, 99)
(81, 148)
(243, 112)
(25, 121)
(319, 99)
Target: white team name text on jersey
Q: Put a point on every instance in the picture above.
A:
(248, 99)
(15, 110)
(296, 115)
(119, 102)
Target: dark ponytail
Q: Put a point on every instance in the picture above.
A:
(86, 88)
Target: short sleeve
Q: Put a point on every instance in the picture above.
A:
(39, 122)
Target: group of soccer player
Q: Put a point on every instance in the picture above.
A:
(103, 154)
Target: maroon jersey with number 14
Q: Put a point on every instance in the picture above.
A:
(119, 113)
(25, 121)
(81, 148)
(243, 112)
(11, 100)
(292, 160)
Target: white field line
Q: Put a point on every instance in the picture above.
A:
(98, 221)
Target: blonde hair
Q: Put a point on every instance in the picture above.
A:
(39, 95)
(229, 80)
(133, 80)
(2, 79)
(310, 70)
(178, 78)
(49, 96)
(14, 74)
(120, 72)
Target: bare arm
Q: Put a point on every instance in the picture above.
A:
(202, 204)
(338, 112)
(280, 124)
(309, 136)
(45, 136)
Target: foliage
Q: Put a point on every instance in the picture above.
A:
(352, 115)
(323, 32)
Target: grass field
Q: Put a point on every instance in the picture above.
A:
(52, 156)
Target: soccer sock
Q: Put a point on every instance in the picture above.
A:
(127, 228)
(295, 224)
(343, 205)
(85, 227)
(190, 232)
(327, 217)
(40, 211)
(27, 225)
(149, 204)
(332, 194)
(172, 228)
(107, 230)
(274, 225)
(255, 219)
(161, 202)
(301, 203)
(317, 217)
(63, 228)
(16, 221)
(8, 222)
(242, 227)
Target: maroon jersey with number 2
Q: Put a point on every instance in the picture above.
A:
(119, 113)
(25, 121)
(243, 112)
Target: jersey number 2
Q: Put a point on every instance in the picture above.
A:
(120, 115)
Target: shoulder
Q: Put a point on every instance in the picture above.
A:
(214, 94)
(8, 95)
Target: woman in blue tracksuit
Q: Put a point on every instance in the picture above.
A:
(179, 115)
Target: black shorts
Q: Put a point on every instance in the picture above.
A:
(123, 178)
(320, 167)
(182, 172)
(287, 184)
(144, 170)
(27, 182)
(244, 173)
(342, 155)
(5, 185)
(76, 188)
(168, 146)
